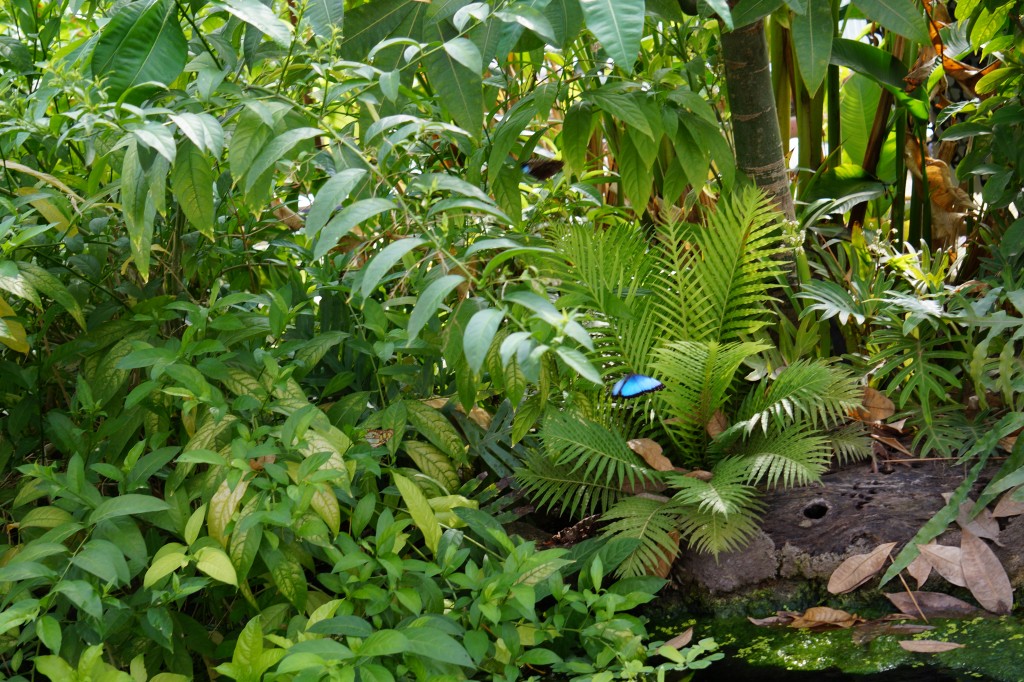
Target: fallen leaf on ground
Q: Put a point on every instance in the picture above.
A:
(983, 524)
(932, 604)
(824, 617)
(986, 578)
(875, 407)
(946, 562)
(665, 565)
(858, 569)
(650, 451)
(929, 646)
(893, 443)
(919, 569)
(681, 640)
(862, 634)
(1007, 506)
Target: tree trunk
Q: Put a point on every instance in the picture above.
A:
(755, 126)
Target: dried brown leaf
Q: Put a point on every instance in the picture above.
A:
(933, 604)
(663, 567)
(875, 407)
(718, 424)
(825, 617)
(1007, 443)
(983, 524)
(946, 562)
(1007, 506)
(986, 578)
(780, 618)
(858, 569)
(650, 451)
(893, 443)
(929, 646)
(919, 569)
(681, 640)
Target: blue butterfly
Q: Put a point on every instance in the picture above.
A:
(632, 385)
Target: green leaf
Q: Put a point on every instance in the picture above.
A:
(49, 633)
(214, 562)
(622, 106)
(384, 642)
(479, 336)
(871, 61)
(434, 644)
(635, 174)
(462, 90)
(138, 207)
(126, 505)
(203, 129)
(324, 16)
(143, 42)
(420, 511)
(274, 151)
(437, 429)
(813, 32)
(329, 198)
(576, 131)
(260, 17)
(347, 218)
(899, 16)
(431, 461)
(288, 574)
(33, 278)
(577, 361)
(544, 309)
(370, 23)
(747, 12)
(619, 25)
(104, 560)
(720, 8)
(192, 184)
(430, 301)
(465, 52)
(385, 260)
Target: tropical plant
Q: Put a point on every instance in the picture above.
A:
(688, 308)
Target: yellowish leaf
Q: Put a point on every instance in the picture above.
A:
(859, 569)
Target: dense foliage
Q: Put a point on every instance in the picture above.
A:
(287, 331)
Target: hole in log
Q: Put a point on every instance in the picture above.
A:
(816, 509)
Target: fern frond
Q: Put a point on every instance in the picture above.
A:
(552, 486)
(722, 290)
(595, 451)
(796, 455)
(653, 523)
(850, 443)
(722, 513)
(807, 389)
(697, 377)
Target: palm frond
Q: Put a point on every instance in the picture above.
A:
(717, 289)
(653, 523)
(553, 486)
(796, 455)
(594, 451)
(850, 442)
(722, 513)
(807, 389)
(698, 377)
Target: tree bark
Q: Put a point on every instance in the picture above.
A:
(755, 126)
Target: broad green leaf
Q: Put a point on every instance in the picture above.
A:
(375, 270)
(576, 131)
(49, 632)
(531, 19)
(203, 129)
(384, 642)
(622, 106)
(19, 613)
(461, 87)
(432, 643)
(370, 23)
(38, 279)
(325, 16)
(14, 282)
(431, 461)
(812, 40)
(577, 361)
(138, 208)
(420, 511)
(619, 25)
(871, 61)
(192, 184)
(720, 8)
(274, 151)
(214, 562)
(325, 503)
(329, 198)
(748, 11)
(104, 560)
(428, 303)
(635, 174)
(44, 517)
(348, 218)
(157, 137)
(288, 574)
(479, 336)
(223, 504)
(260, 17)
(143, 42)
(858, 104)
(126, 505)
(544, 309)
(899, 16)
(464, 52)
(437, 429)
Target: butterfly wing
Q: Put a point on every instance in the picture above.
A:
(633, 385)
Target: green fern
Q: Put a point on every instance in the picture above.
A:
(555, 487)
(722, 513)
(796, 455)
(653, 523)
(850, 443)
